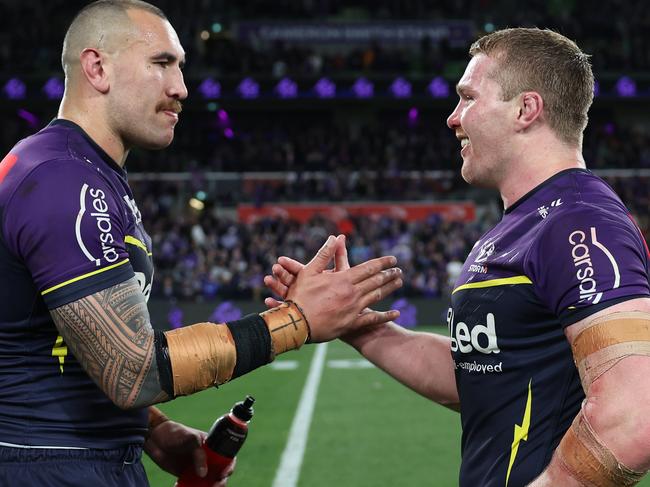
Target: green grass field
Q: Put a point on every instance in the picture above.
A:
(366, 430)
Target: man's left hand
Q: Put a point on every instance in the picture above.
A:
(175, 448)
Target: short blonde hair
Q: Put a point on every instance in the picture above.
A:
(548, 63)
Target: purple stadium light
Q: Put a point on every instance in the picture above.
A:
(363, 88)
(626, 86)
(401, 88)
(228, 133)
(249, 88)
(210, 88)
(413, 114)
(29, 117)
(15, 89)
(439, 88)
(222, 115)
(286, 88)
(325, 88)
(596, 88)
(53, 88)
(226, 311)
(609, 128)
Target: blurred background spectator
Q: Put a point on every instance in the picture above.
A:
(279, 114)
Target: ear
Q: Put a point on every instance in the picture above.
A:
(530, 108)
(93, 68)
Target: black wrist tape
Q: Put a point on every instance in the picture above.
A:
(252, 342)
(163, 362)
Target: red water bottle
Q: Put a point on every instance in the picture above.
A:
(224, 440)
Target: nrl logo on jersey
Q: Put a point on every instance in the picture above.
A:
(130, 202)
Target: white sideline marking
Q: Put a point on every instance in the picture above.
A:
(291, 461)
(353, 363)
(284, 365)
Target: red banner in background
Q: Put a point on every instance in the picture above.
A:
(452, 211)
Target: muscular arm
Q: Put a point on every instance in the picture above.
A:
(110, 333)
(616, 407)
(111, 336)
(421, 361)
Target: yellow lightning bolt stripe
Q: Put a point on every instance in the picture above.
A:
(60, 350)
(521, 432)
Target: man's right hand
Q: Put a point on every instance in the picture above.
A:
(335, 303)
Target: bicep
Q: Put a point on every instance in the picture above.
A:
(110, 334)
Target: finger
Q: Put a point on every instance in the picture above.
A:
(378, 280)
(371, 317)
(323, 257)
(275, 286)
(291, 265)
(200, 461)
(341, 256)
(283, 275)
(271, 303)
(363, 271)
(379, 293)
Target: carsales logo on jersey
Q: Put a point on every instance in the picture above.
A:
(482, 338)
(583, 247)
(101, 238)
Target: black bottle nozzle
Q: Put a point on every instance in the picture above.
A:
(244, 409)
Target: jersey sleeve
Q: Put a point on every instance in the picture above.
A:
(586, 259)
(67, 225)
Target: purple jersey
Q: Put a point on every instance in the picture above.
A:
(68, 228)
(567, 249)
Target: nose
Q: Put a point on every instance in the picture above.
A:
(453, 120)
(177, 88)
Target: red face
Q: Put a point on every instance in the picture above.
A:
(481, 122)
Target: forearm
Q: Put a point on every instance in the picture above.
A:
(617, 413)
(421, 361)
(111, 336)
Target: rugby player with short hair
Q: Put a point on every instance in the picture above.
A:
(548, 354)
(80, 359)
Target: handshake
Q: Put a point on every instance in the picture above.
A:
(335, 302)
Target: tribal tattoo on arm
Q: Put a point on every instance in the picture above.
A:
(111, 336)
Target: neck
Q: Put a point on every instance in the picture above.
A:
(96, 128)
(529, 171)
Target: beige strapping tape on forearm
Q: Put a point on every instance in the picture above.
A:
(609, 339)
(201, 355)
(588, 460)
(288, 327)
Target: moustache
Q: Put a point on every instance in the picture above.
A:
(175, 106)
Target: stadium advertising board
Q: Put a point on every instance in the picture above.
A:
(464, 211)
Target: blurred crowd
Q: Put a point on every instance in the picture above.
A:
(614, 33)
(200, 255)
(328, 153)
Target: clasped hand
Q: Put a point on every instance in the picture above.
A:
(335, 302)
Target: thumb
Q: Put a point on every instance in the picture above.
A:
(200, 461)
(323, 257)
